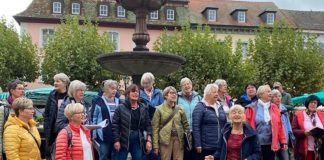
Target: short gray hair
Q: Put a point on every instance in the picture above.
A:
(74, 86)
(184, 80)
(262, 89)
(276, 92)
(20, 104)
(72, 108)
(147, 76)
(209, 87)
(167, 90)
(109, 83)
(62, 77)
(220, 82)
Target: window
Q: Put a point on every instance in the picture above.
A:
(170, 14)
(245, 48)
(47, 34)
(211, 15)
(103, 10)
(114, 38)
(57, 7)
(75, 8)
(270, 18)
(121, 11)
(241, 16)
(154, 15)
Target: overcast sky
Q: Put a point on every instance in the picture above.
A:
(8, 8)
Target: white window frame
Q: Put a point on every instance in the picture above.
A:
(154, 15)
(170, 14)
(57, 7)
(212, 15)
(270, 18)
(43, 39)
(114, 39)
(103, 10)
(75, 8)
(241, 16)
(121, 12)
(245, 49)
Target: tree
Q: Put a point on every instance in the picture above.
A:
(207, 58)
(287, 55)
(73, 50)
(18, 56)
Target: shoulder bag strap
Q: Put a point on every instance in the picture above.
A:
(33, 137)
(170, 117)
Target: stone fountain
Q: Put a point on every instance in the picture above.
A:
(140, 60)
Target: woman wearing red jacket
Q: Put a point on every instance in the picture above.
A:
(265, 118)
(303, 122)
(81, 148)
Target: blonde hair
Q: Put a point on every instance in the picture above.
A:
(72, 108)
(235, 108)
(20, 104)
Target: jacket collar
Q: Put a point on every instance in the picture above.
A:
(247, 130)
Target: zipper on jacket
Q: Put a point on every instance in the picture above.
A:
(139, 122)
(129, 128)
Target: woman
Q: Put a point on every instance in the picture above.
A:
(265, 118)
(21, 137)
(75, 95)
(104, 109)
(131, 127)
(150, 95)
(223, 97)
(169, 125)
(239, 140)
(249, 96)
(208, 120)
(276, 99)
(303, 122)
(81, 148)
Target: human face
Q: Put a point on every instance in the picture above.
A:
(111, 91)
(147, 85)
(276, 100)
(312, 106)
(79, 94)
(78, 117)
(266, 95)
(278, 87)
(250, 91)
(27, 112)
(223, 89)
(133, 95)
(213, 96)
(237, 116)
(186, 88)
(59, 85)
(18, 91)
(171, 96)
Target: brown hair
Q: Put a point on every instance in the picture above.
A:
(131, 88)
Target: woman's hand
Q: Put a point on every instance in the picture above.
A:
(285, 147)
(117, 146)
(148, 146)
(156, 151)
(198, 149)
(307, 133)
(210, 157)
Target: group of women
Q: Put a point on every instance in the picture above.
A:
(154, 124)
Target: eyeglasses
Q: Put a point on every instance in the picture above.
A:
(173, 93)
(80, 112)
(30, 108)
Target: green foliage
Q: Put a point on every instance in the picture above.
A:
(17, 56)
(73, 50)
(207, 58)
(287, 55)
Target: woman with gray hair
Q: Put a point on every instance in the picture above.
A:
(208, 119)
(223, 97)
(54, 101)
(169, 125)
(265, 118)
(75, 95)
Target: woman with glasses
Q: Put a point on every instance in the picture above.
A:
(75, 95)
(306, 144)
(130, 123)
(81, 146)
(21, 137)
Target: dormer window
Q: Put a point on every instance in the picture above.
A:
(212, 15)
(57, 7)
(103, 10)
(75, 8)
(270, 18)
(241, 16)
(154, 15)
(121, 12)
(170, 14)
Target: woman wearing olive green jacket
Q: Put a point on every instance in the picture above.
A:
(168, 135)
